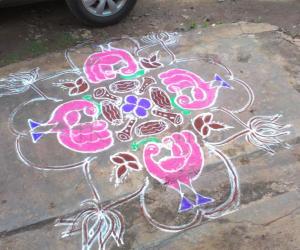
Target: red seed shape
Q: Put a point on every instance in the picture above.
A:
(127, 157)
(73, 91)
(118, 160)
(153, 58)
(69, 84)
(216, 126)
(208, 118)
(198, 123)
(205, 130)
(148, 65)
(133, 165)
(121, 171)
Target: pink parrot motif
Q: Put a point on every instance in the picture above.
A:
(85, 137)
(100, 66)
(183, 166)
(203, 94)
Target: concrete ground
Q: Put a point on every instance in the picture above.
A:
(47, 27)
(268, 216)
(264, 53)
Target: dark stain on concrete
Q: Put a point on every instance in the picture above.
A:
(243, 57)
(252, 111)
(130, 211)
(256, 191)
(222, 221)
(297, 88)
(244, 160)
(51, 205)
(297, 156)
(232, 238)
(34, 226)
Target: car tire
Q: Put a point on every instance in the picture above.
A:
(85, 14)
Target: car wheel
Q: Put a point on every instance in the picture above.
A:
(100, 12)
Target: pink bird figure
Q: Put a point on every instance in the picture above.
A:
(182, 167)
(203, 94)
(100, 66)
(84, 137)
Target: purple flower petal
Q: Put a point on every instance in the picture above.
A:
(145, 103)
(128, 107)
(141, 112)
(131, 99)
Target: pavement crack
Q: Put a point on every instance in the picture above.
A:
(288, 37)
(281, 217)
(264, 224)
(34, 226)
(30, 227)
(42, 223)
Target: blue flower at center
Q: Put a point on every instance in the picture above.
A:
(137, 105)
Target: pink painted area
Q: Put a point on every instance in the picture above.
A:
(203, 95)
(69, 112)
(182, 166)
(87, 137)
(101, 66)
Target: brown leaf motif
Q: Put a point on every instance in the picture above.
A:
(204, 124)
(77, 87)
(124, 164)
(151, 63)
